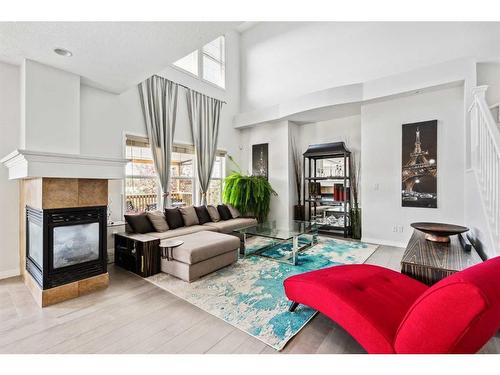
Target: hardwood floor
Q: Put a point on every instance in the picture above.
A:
(134, 316)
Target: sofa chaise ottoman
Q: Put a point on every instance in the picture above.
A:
(200, 254)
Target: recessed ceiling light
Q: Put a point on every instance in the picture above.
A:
(63, 52)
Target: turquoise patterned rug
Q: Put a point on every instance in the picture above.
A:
(249, 294)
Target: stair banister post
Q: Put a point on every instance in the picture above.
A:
(480, 91)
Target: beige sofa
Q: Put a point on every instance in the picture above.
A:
(201, 253)
(206, 247)
(225, 226)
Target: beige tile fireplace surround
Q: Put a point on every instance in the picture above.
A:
(49, 193)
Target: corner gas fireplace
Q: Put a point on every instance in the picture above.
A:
(66, 244)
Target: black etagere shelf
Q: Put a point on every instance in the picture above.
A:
(328, 205)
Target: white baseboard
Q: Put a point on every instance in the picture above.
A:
(9, 273)
(379, 241)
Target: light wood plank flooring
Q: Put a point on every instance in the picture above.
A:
(134, 316)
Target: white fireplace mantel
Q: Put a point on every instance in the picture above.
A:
(24, 164)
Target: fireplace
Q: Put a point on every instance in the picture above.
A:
(64, 245)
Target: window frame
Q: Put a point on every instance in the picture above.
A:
(222, 155)
(181, 148)
(138, 176)
(193, 178)
(200, 52)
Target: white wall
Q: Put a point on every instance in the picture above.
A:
(285, 60)
(50, 109)
(9, 192)
(277, 136)
(381, 163)
(345, 129)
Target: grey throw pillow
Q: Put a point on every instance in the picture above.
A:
(139, 223)
(157, 219)
(234, 211)
(214, 213)
(189, 216)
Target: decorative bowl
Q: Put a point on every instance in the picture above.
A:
(439, 232)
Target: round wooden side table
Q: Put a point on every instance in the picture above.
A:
(167, 248)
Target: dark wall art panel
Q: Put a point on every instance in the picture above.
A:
(419, 165)
(260, 161)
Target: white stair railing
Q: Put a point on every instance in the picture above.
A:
(495, 108)
(485, 157)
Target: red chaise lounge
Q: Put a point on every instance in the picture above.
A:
(387, 312)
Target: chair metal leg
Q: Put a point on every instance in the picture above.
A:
(293, 306)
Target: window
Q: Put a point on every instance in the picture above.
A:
(214, 193)
(142, 188)
(189, 63)
(208, 63)
(182, 178)
(141, 183)
(213, 62)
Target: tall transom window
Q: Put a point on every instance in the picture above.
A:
(207, 63)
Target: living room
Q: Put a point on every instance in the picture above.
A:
(299, 187)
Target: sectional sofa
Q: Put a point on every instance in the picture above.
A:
(206, 233)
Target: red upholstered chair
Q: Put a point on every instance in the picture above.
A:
(387, 312)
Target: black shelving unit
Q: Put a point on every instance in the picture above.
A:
(327, 208)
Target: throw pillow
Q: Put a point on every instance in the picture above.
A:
(189, 216)
(234, 211)
(157, 219)
(224, 212)
(203, 215)
(139, 223)
(174, 218)
(214, 214)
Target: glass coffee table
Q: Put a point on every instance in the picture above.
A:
(278, 243)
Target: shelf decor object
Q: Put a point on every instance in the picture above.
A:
(314, 190)
(298, 209)
(326, 187)
(439, 232)
(355, 169)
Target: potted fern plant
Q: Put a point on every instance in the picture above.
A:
(249, 194)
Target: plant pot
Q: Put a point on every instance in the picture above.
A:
(356, 223)
(298, 212)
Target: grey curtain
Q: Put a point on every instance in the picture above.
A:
(159, 107)
(204, 117)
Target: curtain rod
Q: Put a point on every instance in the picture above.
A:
(188, 88)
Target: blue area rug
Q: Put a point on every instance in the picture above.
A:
(249, 294)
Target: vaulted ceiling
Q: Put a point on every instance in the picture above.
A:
(110, 55)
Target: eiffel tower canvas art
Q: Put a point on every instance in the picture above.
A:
(260, 161)
(419, 165)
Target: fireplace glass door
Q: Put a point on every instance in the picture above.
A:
(75, 244)
(35, 243)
